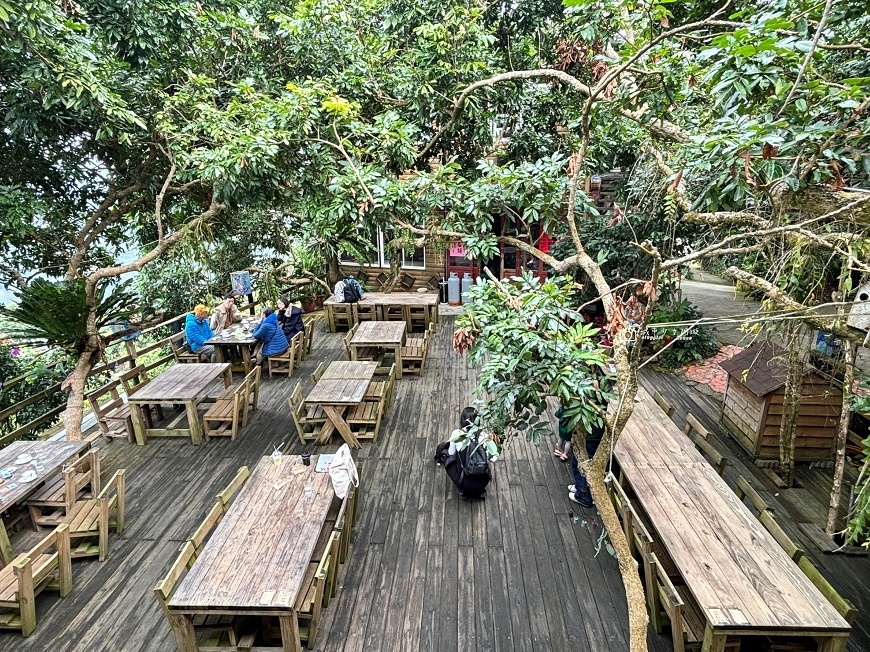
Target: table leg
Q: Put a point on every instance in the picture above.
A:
(833, 644)
(139, 429)
(353, 352)
(193, 422)
(219, 353)
(713, 641)
(290, 633)
(325, 433)
(398, 354)
(185, 637)
(337, 419)
(330, 319)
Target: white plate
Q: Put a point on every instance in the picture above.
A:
(28, 476)
(24, 458)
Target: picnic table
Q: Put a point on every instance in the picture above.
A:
(47, 458)
(382, 334)
(426, 301)
(743, 581)
(343, 384)
(183, 384)
(255, 561)
(235, 344)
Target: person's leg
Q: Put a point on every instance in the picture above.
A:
(207, 352)
(581, 493)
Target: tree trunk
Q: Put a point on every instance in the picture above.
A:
(840, 442)
(75, 402)
(790, 408)
(333, 271)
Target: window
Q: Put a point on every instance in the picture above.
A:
(415, 259)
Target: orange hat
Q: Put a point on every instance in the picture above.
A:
(200, 307)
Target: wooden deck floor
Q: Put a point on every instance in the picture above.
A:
(425, 572)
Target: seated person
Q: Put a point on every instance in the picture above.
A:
(197, 331)
(272, 340)
(290, 318)
(226, 314)
(465, 463)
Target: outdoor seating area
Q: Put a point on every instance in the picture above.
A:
(407, 566)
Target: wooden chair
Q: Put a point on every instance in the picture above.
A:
(309, 337)
(365, 419)
(90, 520)
(134, 379)
(417, 338)
(215, 626)
(414, 356)
(317, 374)
(382, 279)
(406, 281)
(31, 573)
(312, 593)
(396, 313)
(370, 353)
(181, 350)
(364, 312)
(746, 490)
(253, 382)
(693, 425)
(380, 390)
(225, 497)
(663, 404)
(418, 317)
(307, 421)
(112, 413)
(718, 460)
(770, 524)
(203, 531)
(284, 363)
(434, 282)
(845, 608)
(226, 413)
(668, 606)
(362, 277)
(79, 480)
(342, 315)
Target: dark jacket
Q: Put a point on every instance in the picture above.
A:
(196, 332)
(274, 340)
(470, 485)
(291, 321)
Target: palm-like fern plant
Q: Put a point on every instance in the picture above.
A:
(56, 314)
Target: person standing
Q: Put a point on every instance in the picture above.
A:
(226, 314)
(579, 491)
(272, 340)
(197, 331)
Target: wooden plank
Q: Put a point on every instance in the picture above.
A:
(817, 535)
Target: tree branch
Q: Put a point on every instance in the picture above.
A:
(808, 58)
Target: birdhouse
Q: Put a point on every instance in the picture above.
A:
(859, 315)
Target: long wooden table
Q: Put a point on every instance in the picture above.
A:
(235, 343)
(185, 384)
(743, 581)
(427, 301)
(383, 334)
(50, 455)
(255, 561)
(343, 384)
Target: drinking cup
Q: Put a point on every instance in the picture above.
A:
(307, 489)
(306, 459)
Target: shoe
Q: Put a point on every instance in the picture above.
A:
(564, 457)
(557, 452)
(571, 488)
(585, 501)
(482, 494)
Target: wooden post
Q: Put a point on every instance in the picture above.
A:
(840, 439)
(23, 570)
(64, 560)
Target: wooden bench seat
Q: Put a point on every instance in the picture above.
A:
(78, 481)
(227, 413)
(112, 413)
(89, 521)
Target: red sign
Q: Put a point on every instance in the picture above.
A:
(544, 243)
(457, 249)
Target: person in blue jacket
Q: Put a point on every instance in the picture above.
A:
(272, 338)
(197, 331)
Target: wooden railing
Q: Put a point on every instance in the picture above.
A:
(43, 424)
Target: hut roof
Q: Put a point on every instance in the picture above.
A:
(758, 368)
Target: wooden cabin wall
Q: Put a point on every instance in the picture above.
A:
(741, 413)
(817, 421)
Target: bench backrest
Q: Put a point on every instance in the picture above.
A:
(719, 461)
(164, 588)
(79, 474)
(203, 531)
(744, 489)
(134, 379)
(663, 404)
(111, 500)
(31, 581)
(776, 531)
(226, 496)
(317, 374)
(105, 399)
(845, 608)
(663, 596)
(296, 401)
(693, 425)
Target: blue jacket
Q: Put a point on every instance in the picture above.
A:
(274, 340)
(197, 332)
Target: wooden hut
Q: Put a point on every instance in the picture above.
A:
(753, 405)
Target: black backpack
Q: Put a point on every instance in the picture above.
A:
(476, 462)
(351, 293)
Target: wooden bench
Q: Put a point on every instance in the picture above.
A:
(746, 490)
(663, 404)
(309, 336)
(845, 608)
(181, 350)
(317, 374)
(30, 574)
(112, 413)
(718, 460)
(314, 592)
(414, 356)
(366, 416)
(308, 420)
(79, 480)
(253, 382)
(201, 533)
(785, 542)
(225, 497)
(364, 312)
(381, 389)
(286, 362)
(226, 413)
(693, 425)
(89, 521)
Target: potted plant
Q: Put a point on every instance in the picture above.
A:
(305, 294)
